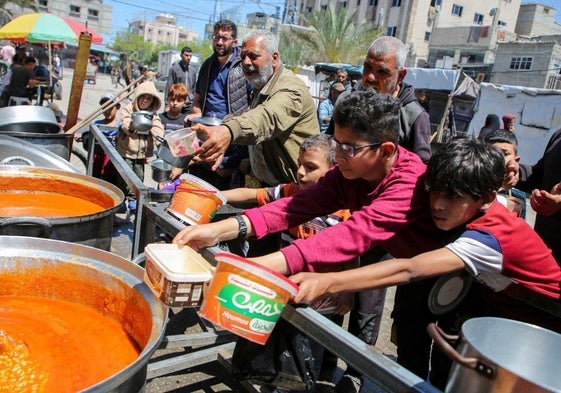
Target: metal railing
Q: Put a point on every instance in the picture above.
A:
(143, 193)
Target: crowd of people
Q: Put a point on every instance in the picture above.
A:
(26, 79)
(361, 201)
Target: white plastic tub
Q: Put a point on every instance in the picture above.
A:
(176, 275)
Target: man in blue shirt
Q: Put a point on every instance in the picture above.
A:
(222, 89)
(325, 108)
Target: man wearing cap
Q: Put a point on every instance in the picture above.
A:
(325, 108)
(508, 122)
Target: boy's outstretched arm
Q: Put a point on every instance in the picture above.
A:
(241, 195)
(378, 275)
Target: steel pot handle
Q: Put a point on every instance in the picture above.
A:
(20, 226)
(140, 259)
(442, 341)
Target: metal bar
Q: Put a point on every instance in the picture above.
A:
(178, 363)
(141, 191)
(196, 339)
(363, 357)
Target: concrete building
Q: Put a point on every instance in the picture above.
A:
(530, 63)
(415, 22)
(97, 15)
(163, 30)
(535, 19)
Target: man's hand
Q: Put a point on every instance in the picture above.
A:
(546, 203)
(217, 139)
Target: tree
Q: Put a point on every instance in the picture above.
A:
(334, 36)
(7, 13)
(133, 46)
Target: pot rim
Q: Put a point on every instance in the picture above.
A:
(34, 172)
(501, 342)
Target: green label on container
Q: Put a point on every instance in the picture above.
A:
(250, 304)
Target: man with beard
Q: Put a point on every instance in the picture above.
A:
(183, 72)
(282, 115)
(222, 89)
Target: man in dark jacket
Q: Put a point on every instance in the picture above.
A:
(543, 181)
(183, 72)
(222, 89)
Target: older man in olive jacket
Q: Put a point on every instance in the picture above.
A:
(282, 114)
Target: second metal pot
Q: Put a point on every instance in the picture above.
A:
(502, 355)
(160, 170)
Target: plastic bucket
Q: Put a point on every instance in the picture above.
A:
(246, 298)
(195, 201)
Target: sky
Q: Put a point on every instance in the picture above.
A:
(191, 15)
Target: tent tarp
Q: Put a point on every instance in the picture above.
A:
(537, 111)
(432, 79)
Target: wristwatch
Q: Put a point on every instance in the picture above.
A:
(242, 231)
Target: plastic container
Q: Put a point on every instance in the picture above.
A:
(176, 275)
(182, 142)
(246, 298)
(195, 201)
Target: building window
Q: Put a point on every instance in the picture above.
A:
(427, 36)
(478, 19)
(358, 3)
(457, 10)
(309, 10)
(501, 23)
(373, 3)
(435, 3)
(391, 31)
(344, 4)
(521, 63)
(74, 10)
(43, 3)
(324, 7)
(93, 14)
(396, 3)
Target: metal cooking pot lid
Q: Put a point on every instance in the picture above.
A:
(448, 292)
(207, 120)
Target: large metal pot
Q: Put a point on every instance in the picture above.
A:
(105, 282)
(92, 229)
(28, 118)
(59, 143)
(14, 151)
(502, 356)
